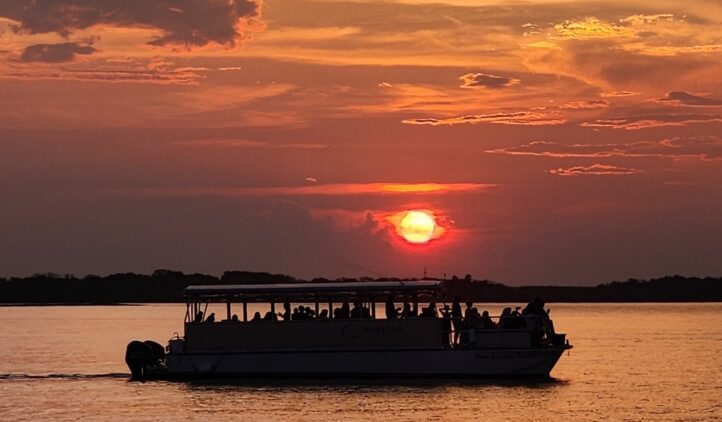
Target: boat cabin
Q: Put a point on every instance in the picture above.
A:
(342, 315)
(333, 316)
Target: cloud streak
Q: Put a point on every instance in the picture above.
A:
(329, 189)
(706, 148)
(517, 118)
(595, 170)
(651, 121)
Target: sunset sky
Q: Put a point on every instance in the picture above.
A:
(561, 142)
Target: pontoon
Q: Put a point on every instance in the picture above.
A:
(342, 345)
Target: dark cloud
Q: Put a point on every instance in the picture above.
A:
(485, 80)
(595, 170)
(687, 99)
(182, 22)
(55, 53)
(516, 118)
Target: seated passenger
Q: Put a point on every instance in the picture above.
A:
(365, 312)
(468, 310)
(234, 318)
(211, 317)
(295, 314)
(286, 311)
(475, 321)
(269, 316)
(310, 313)
(486, 321)
(337, 313)
(505, 318)
(323, 316)
(257, 317)
(429, 311)
(391, 311)
(345, 311)
(199, 317)
(356, 311)
(406, 312)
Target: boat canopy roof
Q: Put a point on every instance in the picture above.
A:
(310, 291)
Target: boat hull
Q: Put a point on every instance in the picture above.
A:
(445, 363)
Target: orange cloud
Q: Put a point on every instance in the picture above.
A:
(331, 189)
(595, 170)
(585, 105)
(651, 121)
(706, 148)
(516, 118)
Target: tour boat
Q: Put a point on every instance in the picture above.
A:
(339, 344)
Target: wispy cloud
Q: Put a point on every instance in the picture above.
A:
(651, 121)
(705, 148)
(245, 143)
(585, 105)
(329, 189)
(595, 170)
(152, 71)
(516, 118)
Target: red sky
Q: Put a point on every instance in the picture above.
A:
(556, 142)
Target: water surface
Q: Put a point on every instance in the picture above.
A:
(630, 362)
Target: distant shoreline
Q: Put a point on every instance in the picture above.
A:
(48, 305)
(165, 286)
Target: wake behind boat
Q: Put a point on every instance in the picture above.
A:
(324, 336)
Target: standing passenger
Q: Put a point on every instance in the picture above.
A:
(391, 311)
(456, 318)
(446, 326)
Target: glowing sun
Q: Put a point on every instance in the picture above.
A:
(417, 226)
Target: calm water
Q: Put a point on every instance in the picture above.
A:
(630, 362)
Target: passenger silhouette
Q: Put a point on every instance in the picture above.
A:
(286, 311)
(468, 310)
(257, 317)
(504, 318)
(446, 326)
(406, 311)
(456, 316)
(391, 310)
(345, 311)
(486, 320)
(234, 318)
(357, 311)
(323, 316)
(211, 317)
(199, 317)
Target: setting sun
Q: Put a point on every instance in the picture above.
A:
(417, 226)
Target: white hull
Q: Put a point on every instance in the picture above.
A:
(447, 363)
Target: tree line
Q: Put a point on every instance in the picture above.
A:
(166, 286)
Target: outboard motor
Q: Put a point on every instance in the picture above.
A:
(140, 355)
